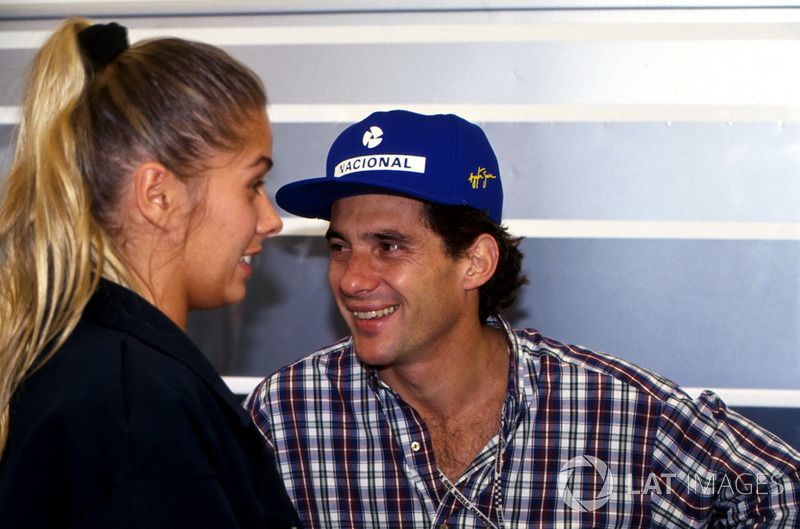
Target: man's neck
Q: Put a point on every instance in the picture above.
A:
(459, 393)
(465, 374)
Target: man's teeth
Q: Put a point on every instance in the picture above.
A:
(246, 259)
(372, 314)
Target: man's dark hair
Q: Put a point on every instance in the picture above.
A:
(459, 226)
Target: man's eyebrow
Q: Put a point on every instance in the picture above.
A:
(390, 235)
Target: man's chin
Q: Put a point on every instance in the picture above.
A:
(370, 353)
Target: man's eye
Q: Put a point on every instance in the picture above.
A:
(390, 246)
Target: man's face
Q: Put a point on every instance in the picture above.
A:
(401, 296)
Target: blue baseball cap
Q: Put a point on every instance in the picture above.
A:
(442, 159)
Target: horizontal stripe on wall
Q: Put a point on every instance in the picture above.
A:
(523, 113)
(605, 229)
(193, 7)
(775, 398)
(269, 35)
(532, 113)
(528, 58)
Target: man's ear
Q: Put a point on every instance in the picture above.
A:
(482, 255)
(156, 192)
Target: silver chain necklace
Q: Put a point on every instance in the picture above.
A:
(497, 488)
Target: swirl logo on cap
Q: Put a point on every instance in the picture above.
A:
(373, 137)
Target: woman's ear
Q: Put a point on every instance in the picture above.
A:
(156, 192)
(482, 255)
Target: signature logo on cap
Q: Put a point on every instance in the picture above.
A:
(481, 178)
(373, 137)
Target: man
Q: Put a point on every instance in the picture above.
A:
(436, 413)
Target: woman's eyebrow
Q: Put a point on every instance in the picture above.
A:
(263, 159)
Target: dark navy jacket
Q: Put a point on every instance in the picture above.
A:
(129, 426)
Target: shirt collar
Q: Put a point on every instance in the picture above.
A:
(520, 384)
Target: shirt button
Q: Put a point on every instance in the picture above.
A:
(415, 448)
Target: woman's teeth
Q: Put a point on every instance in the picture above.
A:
(372, 314)
(246, 259)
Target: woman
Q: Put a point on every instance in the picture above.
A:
(136, 194)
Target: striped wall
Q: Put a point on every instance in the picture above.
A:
(651, 157)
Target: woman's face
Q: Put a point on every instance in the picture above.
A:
(233, 218)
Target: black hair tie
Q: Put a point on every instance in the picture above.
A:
(103, 43)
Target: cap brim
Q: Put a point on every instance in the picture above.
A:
(314, 197)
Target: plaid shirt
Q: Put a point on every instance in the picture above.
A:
(588, 441)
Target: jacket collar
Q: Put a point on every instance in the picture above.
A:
(117, 307)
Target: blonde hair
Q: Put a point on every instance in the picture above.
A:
(80, 135)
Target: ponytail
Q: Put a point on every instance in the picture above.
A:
(52, 252)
